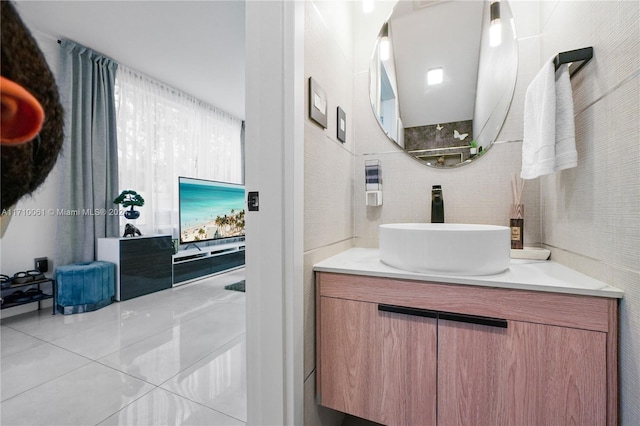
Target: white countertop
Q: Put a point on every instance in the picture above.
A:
(536, 275)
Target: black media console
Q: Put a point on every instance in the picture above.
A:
(142, 263)
(197, 263)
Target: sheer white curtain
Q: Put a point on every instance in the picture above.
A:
(164, 133)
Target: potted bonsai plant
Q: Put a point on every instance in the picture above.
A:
(130, 198)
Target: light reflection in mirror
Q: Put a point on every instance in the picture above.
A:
(457, 120)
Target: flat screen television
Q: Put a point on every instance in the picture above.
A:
(210, 210)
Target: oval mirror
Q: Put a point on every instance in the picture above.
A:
(442, 76)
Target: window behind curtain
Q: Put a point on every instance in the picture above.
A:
(164, 133)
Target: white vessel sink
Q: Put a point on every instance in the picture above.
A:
(446, 248)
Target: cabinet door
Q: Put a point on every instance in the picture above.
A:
(145, 266)
(377, 365)
(526, 374)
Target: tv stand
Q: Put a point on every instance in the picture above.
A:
(198, 263)
(193, 244)
(142, 263)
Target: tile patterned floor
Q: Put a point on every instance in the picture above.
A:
(175, 357)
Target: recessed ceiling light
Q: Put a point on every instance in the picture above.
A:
(385, 48)
(435, 76)
(495, 28)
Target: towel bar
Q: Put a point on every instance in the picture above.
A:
(583, 56)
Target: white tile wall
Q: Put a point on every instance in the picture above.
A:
(591, 214)
(328, 162)
(328, 218)
(611, 27)
(328, 190)
(475, 193)
(593, 210)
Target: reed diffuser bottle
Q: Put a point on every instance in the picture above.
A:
(517, 226)
(517, 214)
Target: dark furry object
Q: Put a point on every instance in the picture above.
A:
(131, 231)
(26, 166)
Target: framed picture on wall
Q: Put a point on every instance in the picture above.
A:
(317, 103)
(342, 125)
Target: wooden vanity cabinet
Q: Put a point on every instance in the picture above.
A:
(525, 374)
(539, 358)
(381, 366)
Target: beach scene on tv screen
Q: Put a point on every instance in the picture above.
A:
(210, 210)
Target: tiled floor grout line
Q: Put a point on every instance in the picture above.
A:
(220, 348)
(155, 387)
(175, 323)
(132, 402)
(101, 322)
(26, 334)
(223, 346)
(53, 378)
(217, 306)
(202, 405)
(139, 341)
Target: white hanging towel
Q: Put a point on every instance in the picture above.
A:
(549, 132)
(566, 154)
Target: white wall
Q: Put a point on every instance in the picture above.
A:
(591, 214)
(441, 35)
(497, 72)
(328, 175)
(390, 107)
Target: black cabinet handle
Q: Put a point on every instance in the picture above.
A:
(408, 311)
(472, 319)
(449, 316)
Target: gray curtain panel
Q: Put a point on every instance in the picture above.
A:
(89, 160)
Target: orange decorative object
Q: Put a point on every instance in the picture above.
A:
(22, 114)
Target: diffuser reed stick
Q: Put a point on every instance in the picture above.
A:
(517, 187)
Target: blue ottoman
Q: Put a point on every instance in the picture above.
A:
(84, 287)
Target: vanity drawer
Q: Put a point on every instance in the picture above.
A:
(568, 310)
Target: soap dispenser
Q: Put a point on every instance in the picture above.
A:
(373, 183)
(437, 205)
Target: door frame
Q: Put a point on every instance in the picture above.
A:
(274, 167)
